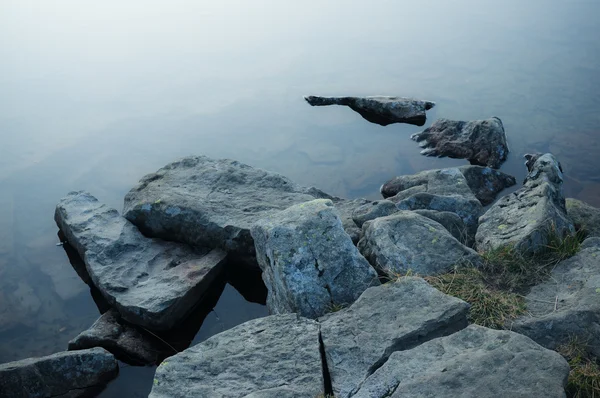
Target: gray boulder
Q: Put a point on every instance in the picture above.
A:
(392, 317)
(451, 221)
(380, 110)
(152, 283)
(474, 362)
(440, 190)
(346, 209)
(408, 241)
(584, 216)
(309, 263)
(526, 218)
(373, 210)
(568, 304)
(210, 203)
(266, 357)
(481, 142)
(65, 374)
(123, 340)
(485, 182)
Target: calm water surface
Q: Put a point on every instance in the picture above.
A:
(95, 95)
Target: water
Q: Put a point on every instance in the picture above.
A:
(95, 95)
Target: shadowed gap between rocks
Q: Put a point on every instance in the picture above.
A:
(327, 386)
(245, 280)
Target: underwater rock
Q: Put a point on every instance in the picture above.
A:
(527, 217)
(407, 241)
(474, 362)
(309, 262)
(567, 305)
(211, 203)
(380, 109)
(64, 374)
(481, 142)
(152, 283)
(387, 318)
(276, 356)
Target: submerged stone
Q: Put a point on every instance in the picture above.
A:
(152, 283)
(276, 356)
(392, 317)
(481, 142)
(475, 362)
(380, 109)
(65, 374)
(309, 262)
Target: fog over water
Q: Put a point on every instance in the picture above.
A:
(94, 95)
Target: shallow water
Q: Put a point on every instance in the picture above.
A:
(94, 96)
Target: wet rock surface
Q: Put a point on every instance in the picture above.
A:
(568, 304)
(486, 183)
(391, 317)
(481, 142)
(210, 203)
(122, 340)
(408, 241)
(273, 357)
(152, 283)
(65, 374)
(584, 216)
(309, 262)
(474, 362)
(381, 110)
(526, 218)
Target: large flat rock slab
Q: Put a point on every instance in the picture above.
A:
(152, 283)
(276, 356)
(528, 217)
(210, 203)
(568, 304)
(475, 362)
(388, 318)
(64, 374)
(380, 110)
(408, 241)
(481, 142)
(309, 262)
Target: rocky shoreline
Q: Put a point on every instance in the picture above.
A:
(351, 312)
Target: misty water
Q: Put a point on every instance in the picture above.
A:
(94, 95)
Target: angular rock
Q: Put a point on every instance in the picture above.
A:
(568, 304)
(263, 357)
(408, 241)
(122, 340)
(481, 142)
(373, 210)
(346, 210)
(210, 203)
(451, 221)
(474, 362)
(65, 374)
(526, 218)
(152, 283)
(584, 216)
(309, 263)
(485, 182)
(392, 317)
(379, 109)
(440, 190)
